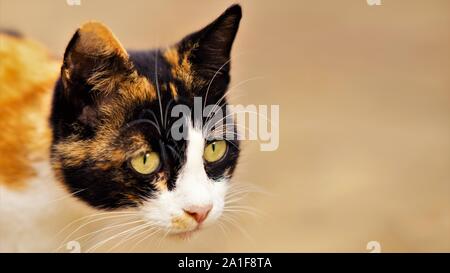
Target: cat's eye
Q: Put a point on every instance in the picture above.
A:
(145, 163)
(214, 151)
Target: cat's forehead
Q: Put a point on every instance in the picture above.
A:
(151, 64)
(149, 92)
(169, 70)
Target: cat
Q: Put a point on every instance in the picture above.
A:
(91, 137)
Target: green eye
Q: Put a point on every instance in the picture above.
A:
(145, 163)
(215, 151)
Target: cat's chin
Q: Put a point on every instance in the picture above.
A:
(185, 235)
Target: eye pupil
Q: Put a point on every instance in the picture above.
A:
(213, 146)
(145, 158)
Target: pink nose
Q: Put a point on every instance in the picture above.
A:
(199, 213)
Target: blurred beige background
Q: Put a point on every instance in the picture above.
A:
(364, 94)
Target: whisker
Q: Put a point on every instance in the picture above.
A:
(139, 235)
(65, 196)
(134, 122)
(90, 216)
(97, 245)
(212, 79)
(132, 234)
(174, 152)
(229, 91)
(153, 116)
(167, 111)
(163, 237)
(90, 222)
(249, 212)
(147, 236)
(233, 222)
(157, 87)
(107, 228)
(221, 225)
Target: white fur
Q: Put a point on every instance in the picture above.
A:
(193, 188)
(30, 218)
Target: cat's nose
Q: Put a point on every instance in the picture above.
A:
(199, 213)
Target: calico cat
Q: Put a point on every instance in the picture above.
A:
(93, 136)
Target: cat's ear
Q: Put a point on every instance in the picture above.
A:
(208, 50)
(94, 60)
(95, 63)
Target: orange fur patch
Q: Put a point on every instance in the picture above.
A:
(27, 77)
(96, 37)
(137, 88)
(182, 222)
(173, 90)
(161, 182)
(181, 67)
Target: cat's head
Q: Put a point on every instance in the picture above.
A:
(111, 118)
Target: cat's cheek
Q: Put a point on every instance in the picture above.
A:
(160, 210)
